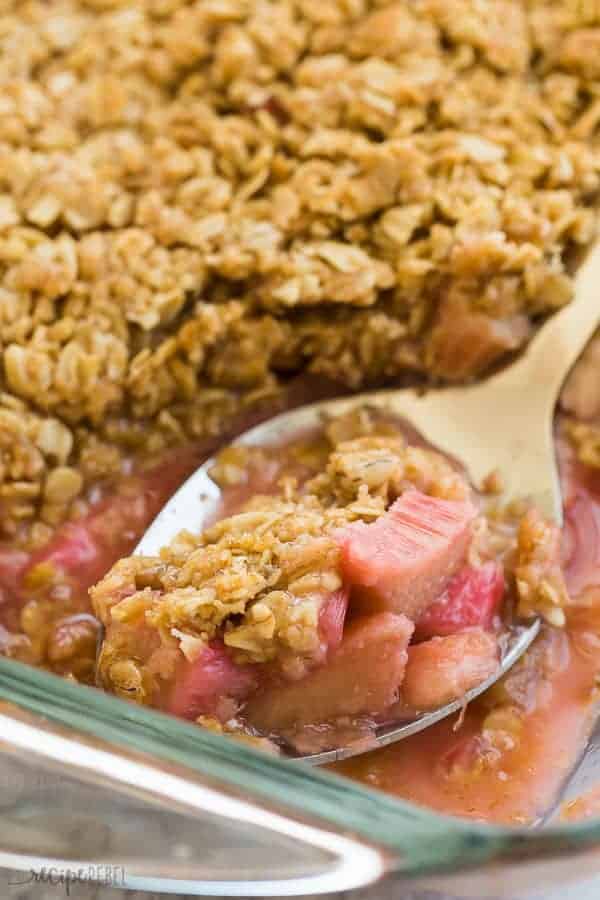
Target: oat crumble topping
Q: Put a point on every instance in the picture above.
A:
(198, 199)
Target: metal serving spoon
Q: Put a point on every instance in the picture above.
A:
(504, 423)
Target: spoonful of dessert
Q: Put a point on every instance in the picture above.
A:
(351, 572)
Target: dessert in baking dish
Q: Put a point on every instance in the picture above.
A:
(203, 203)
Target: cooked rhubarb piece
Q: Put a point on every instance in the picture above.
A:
(331, 619)
(361, 678)
(407, 556)
(581, 542)
(211, 685)
(72, 549)
(444, 668)
(12, 565)
(473, 598)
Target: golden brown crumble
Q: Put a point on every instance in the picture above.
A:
(198, 199)
(538, 572)
(585, 437)
(262, 573)
(235, 729)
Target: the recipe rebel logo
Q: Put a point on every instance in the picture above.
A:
(100, 874)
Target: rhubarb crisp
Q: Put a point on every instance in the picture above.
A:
(376, 585)
(211, 210)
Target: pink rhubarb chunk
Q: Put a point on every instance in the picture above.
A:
(581, 543)
(331, 619)
(361, 678)
(212, 685)
(72, 549)
(12, 566)
(473, 598)
(444, 668)
(404, 560)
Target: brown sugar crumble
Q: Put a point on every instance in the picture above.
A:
(200, 199)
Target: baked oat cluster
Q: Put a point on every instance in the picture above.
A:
(200, 199)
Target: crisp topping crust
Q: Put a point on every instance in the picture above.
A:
(198, 199)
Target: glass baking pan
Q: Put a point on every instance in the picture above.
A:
(127, 796)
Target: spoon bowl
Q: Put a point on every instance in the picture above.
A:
(503, 424)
